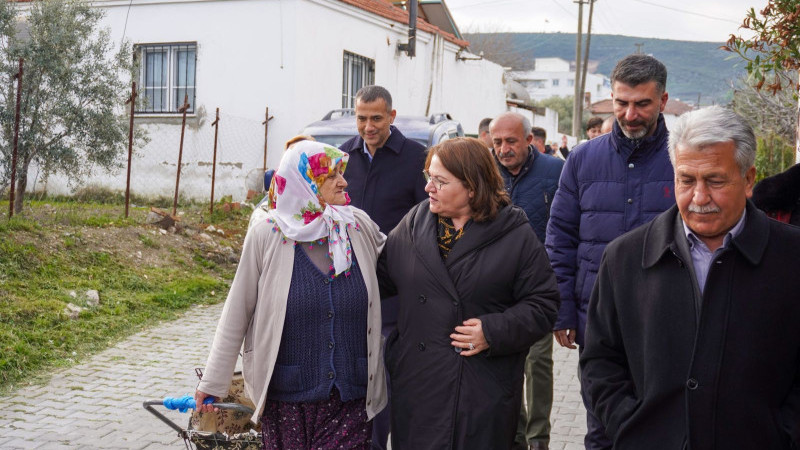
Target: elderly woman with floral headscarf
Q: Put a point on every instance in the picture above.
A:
(305, 303)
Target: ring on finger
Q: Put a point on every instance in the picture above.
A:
(471, 346)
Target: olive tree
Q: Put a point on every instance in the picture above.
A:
(773, 52)
(73, 92)
(773, 118)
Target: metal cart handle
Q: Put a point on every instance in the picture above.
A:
(185, 403)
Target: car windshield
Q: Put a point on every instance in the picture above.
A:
(335, 140)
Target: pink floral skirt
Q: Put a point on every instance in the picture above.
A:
(327, 425)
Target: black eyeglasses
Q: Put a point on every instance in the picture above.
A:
(437, 183)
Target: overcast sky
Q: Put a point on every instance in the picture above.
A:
(690, 20)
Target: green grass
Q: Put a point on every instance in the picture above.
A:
(44, 256)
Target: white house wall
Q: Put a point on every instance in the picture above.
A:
(285, 55)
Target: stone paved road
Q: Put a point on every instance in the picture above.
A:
(98, 404)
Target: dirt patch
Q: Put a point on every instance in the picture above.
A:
(138, 243)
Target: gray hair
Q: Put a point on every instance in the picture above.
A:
(526, 124)
(369, 94)
(636, 69)
(714, 125)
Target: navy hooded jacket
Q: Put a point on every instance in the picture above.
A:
(609, 186)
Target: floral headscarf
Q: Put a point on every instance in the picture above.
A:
(296, 206)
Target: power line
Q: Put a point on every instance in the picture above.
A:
(687, 12)
(609, 26)
(484, 3)
(125, 28)
(565, 9)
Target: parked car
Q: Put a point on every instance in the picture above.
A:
(339, 125)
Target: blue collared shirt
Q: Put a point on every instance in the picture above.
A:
(366, 150)
(702, 256)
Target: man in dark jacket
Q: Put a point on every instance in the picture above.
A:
(384, 177)
(384, 174)
(692, 339)
(610, 185)
(779, 195)
(531, 179)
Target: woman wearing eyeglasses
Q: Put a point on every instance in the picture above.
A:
(475, 292)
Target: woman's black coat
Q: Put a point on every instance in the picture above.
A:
(497, 272)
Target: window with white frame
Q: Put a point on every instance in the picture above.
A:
(357, 72)
(555, 82)
(166, 77)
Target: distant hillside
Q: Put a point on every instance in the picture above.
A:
(694, 67)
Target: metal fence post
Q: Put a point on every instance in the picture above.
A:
(132, 101)
(267, 118)
(183, 110)
(214, 124)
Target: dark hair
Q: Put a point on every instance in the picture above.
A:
(369, 94)
(484, 125)
(593, 122)
(636, 69)
(539, 132)
(469, 161)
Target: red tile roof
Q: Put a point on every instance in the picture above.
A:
(389, 11)
(385, 8)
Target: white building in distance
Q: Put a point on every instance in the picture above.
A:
(554, 77)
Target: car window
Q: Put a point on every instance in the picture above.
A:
(334, 140)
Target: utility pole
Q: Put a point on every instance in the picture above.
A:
(578, 98)
(639, 48)
(586, 58)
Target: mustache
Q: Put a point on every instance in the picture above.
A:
(638, 122)
(506, 154)
(709, 209)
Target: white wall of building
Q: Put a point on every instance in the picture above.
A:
(551, 65)
(285, 55)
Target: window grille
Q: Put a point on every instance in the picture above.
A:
(357, 72)
(166, 76)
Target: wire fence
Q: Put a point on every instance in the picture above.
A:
(239, 165)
